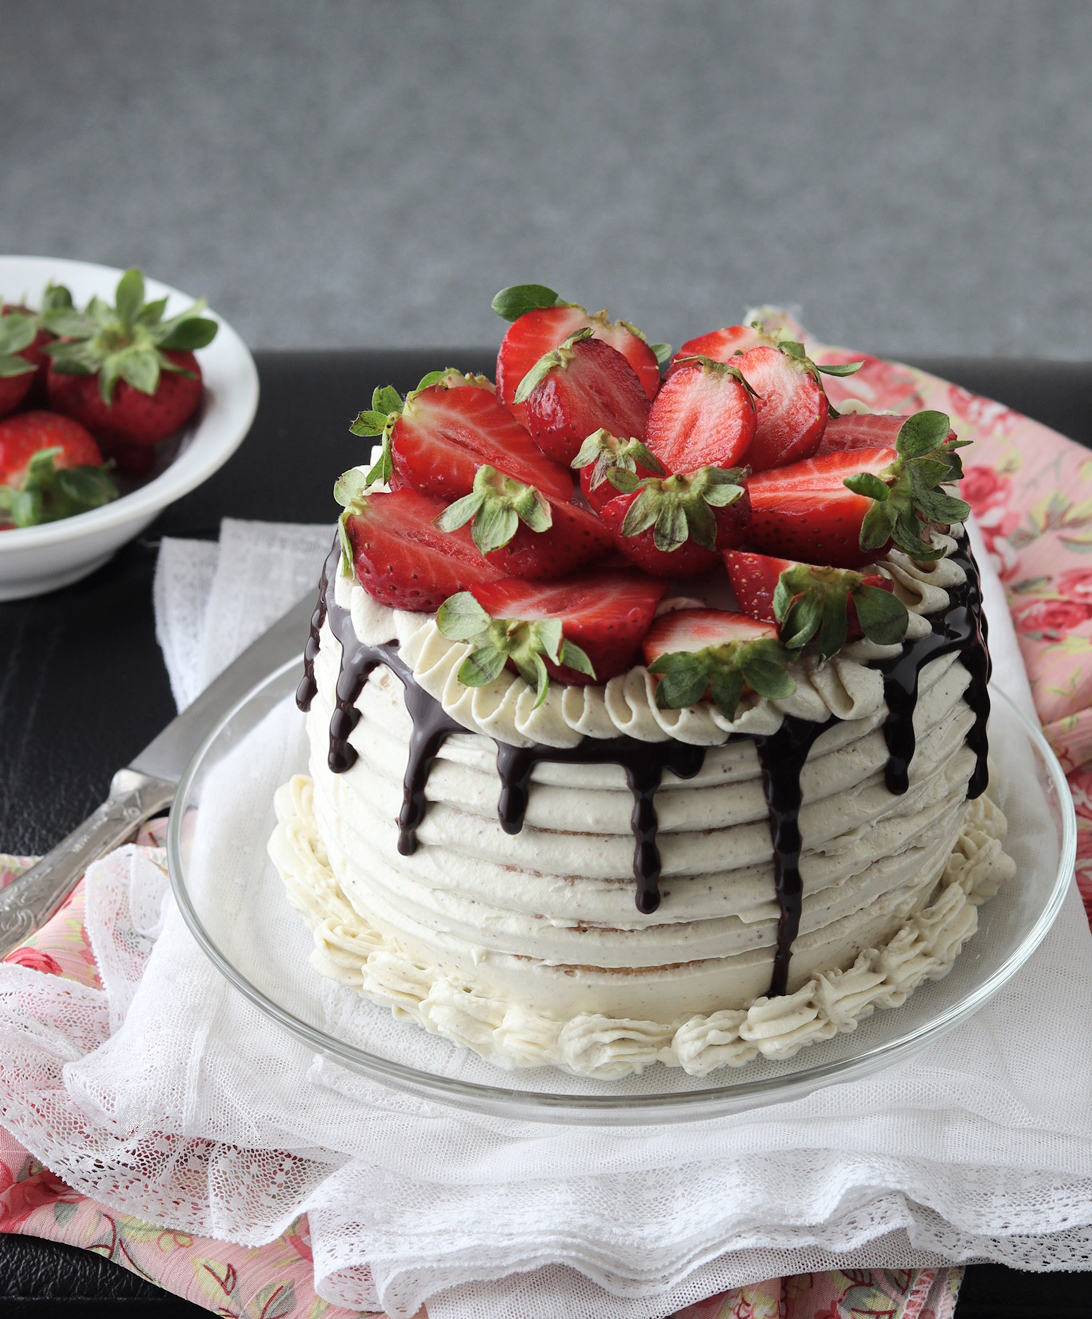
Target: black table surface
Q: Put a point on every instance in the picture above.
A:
(83, 688)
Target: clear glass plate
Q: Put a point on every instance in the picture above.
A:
(234, 903)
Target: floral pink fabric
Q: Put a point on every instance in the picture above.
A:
(1031, 490)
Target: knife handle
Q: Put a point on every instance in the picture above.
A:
(28, 902)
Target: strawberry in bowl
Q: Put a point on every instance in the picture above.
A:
(125, 371)
(50, 468)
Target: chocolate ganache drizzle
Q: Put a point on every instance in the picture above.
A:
(781, 755)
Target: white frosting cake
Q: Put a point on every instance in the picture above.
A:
(528, 946)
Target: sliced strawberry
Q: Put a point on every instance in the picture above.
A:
(401, 557)
(578, 388)
(50, 468)
(845, 508)
(606, 614)
(722, 345)
(541, 321)
(790, 407)
(808, 601)
(702, 416)
(603, 453)
(862, 430)
(442, 432)
(678, 526)
(710, 652)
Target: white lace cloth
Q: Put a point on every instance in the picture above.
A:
(169, 1096)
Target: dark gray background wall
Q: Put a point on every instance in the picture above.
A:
(913, 177)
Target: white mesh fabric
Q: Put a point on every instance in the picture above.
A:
(169, 1096)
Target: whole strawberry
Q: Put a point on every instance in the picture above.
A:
(50, 468)
(123, 371)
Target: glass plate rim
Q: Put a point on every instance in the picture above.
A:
(691, 1105)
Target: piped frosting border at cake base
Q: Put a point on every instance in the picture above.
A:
(350, 950)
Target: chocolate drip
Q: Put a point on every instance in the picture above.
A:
(961, 627)
(781, 758)
(431, 725)
(643, 763)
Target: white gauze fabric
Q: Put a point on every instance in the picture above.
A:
(168, 1095)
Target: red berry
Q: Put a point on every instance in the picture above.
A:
(790, 408)
(132, 417)
(702, 417)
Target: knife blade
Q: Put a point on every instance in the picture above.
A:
(147, 784)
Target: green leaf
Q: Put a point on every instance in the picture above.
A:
(383, 467)
(152, 312)
(865, 483)
(833, 625)
(17, 332)
(922, 433)
(190, 334)
(141, 369)
(545, 636)
(511, 303)
(684, 679)
(662, 351)
(56, 297)
(493, 527)
(481, 666)
(840, 369)
(346, 545)
(351, 488)
(941, 507)
(434, 378)
(459, 513)
(801, 619)
(66, 323)
(11, 366)
(726, 688)
(768, 677)
(574, 658)
(386, 399)
(623, 481)
(882, 615)
(877, 526)
(129, 296)
(461, 618)
(369, 423)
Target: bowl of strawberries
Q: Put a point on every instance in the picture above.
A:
(118, 395)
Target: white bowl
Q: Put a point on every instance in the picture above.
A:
(38, 559)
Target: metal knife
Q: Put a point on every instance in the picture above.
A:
(148, 784)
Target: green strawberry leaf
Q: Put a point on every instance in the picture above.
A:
(141, 370)
(497, 505)
(662, 351)
(56, 297)
(865, 483)
(11, 365)
(882, 615)
(190, 334)
(922, 433)
(678, 508)
(511, 303)
(481, 666)
(129, 296)
(840, 369)
(17, 331)
(461, 618)
(574, 658)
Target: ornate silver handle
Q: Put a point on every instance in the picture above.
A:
(31, 900)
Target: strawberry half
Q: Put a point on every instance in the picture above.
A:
(845, 508)
(577, 388)
(400, 556)
(863, 430)
(703, 416)
(677, 526)
(541, 321)
(831, 604)
(584, 630)
(710, 652)
(436, 438)
(50, 468)
(524, 533)
(790, 407)
(603, 453)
